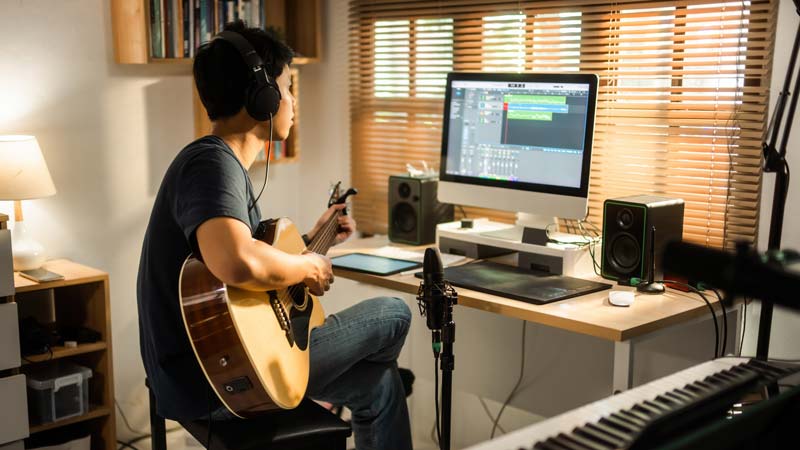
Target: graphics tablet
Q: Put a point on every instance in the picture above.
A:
(377, 265)
(520, 284)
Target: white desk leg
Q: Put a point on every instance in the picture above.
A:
(623, 366)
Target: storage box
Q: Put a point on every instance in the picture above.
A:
(84, 443)
(57, 391)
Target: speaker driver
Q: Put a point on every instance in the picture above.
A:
(625, 252)
(404, 190)
(625, 218)
(404, 218)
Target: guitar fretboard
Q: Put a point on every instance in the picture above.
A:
(323, 241)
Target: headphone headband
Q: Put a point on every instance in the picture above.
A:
(263, 96)
(242, 45)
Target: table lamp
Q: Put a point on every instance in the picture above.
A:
(23, 176)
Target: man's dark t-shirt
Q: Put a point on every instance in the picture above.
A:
(205, 180)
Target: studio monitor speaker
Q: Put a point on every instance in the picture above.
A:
(628, 230)
(414, 210)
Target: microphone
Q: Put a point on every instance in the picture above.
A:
(432, 283)
(435, 296)
(742, 273)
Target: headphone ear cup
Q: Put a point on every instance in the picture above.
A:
(263, 101)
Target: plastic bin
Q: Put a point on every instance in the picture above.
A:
(58, 391)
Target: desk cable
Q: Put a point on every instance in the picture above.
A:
(513, 392)
(636, 281)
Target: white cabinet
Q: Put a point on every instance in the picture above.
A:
(14, 425)
(9, 336)
(6, 272)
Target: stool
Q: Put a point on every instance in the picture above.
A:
(307, 427)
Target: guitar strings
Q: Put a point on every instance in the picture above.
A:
(327, 232)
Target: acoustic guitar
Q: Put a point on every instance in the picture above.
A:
(253, 346)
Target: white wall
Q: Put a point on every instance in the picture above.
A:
(108, 133)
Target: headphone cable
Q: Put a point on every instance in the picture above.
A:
(266, 172)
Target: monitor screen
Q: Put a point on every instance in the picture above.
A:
(528, 132)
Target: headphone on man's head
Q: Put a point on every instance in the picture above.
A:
(262, 96)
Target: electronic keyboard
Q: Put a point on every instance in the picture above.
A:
(645, 416)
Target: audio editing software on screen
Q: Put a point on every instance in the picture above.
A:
(529, 132)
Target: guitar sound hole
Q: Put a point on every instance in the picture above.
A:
(298, 295)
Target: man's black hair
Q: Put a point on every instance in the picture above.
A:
(221, 74)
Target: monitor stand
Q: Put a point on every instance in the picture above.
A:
(529, 229)
(527, 239)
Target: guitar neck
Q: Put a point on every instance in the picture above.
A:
(323, 241)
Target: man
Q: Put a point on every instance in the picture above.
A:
(206, 206)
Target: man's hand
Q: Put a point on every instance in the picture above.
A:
(347, 225)
(320, 277)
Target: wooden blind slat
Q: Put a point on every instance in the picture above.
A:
(681, 108)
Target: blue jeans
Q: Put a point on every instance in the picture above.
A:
(354, 363)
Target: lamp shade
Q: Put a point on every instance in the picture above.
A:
(23, 171)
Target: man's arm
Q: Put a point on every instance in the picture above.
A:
(233, 256)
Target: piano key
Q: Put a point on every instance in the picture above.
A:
(704, 385)
(691, 395)
(588, 443)
(647, 409)
(549, 445)
(677, 397)
(762, 367)
(696, 389)
(620, 424)
(632, 417)
(642, 416)
(668, 401)
(562, 440)
(601, 426)
(659, 407)
(599, 436)
(728, 376)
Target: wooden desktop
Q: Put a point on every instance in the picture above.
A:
(589, 314)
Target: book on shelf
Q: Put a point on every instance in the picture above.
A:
(179, 27)
(278, 151)
(155, 30)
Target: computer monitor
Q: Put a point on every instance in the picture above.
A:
(520, 142)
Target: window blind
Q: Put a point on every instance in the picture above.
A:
(681, 108)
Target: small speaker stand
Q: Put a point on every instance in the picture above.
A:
(651, 287)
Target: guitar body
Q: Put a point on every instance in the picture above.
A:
(252, 346)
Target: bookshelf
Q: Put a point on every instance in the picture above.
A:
(80, 299)
(298, 21)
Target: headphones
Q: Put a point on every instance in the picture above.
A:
(262, 96)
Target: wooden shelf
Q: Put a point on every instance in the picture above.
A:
(298, 20)
(63, 352)
(74, 274)
(94, 412)
(81, 299)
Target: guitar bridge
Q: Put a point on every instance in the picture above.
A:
(283, 317)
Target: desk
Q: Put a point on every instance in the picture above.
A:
(589, 314)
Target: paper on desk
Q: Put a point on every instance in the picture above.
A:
(398, 253)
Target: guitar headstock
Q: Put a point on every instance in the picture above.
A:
(337, 198)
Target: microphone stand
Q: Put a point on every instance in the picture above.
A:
(436, 298)
(775, 161)
(446, 365)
